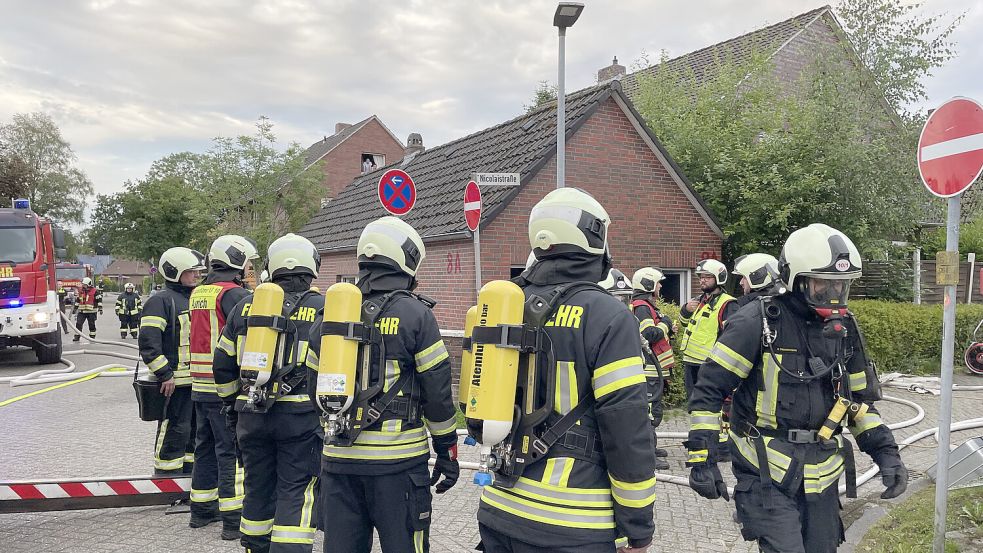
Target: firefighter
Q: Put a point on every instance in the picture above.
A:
(656, 331)
(62, 299)
(277, 435)
(216, 484)
(164, 339)
(128, 307)
(802, 373)
(702, 318)
(377, 477)
(759, 276)
(88, 303)
(595, 483)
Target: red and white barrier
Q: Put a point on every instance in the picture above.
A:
(91, 493)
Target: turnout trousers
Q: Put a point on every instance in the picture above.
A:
(81, 318)
(496, 542)
(216, 481)
(655, 392)
(129, 323)
(175, 446)
(397, 505)
(782, 523)
(281, 455)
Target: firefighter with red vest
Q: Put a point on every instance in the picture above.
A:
(656, 331)
(216, 483)
(88, 302)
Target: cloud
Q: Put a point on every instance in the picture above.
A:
(130, 81)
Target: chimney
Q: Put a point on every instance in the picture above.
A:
(338, 127)
(414, 144)
(611, 72)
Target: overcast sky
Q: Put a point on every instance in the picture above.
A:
(129, 81)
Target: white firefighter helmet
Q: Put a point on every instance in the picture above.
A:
(129, 287)
(233, 251)
(292, 254)
(264, 276)
(645, 279)
(713, 268)
(760, 269)
(616, 283)
(394, 240)
(86, 281)
(568, 219)
(177, 260)
(820, 252)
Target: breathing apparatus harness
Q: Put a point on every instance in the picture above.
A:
(536, 427)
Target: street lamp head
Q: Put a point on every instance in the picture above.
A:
(567, 14)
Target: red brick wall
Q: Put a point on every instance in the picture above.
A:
(344, 163)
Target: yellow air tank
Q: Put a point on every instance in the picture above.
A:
(260, 351)
(467, 358)
(490, 401)
(338, 360)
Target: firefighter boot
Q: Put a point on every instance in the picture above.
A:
(659, 452)
(204, 520)
(122, 335)
(230, 532)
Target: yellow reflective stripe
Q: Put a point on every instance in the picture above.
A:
(292, 534)
(858, 381)
(557, 472)
(547, 514)
(294, 398)
(157, 363)
(698, 456)
(767, 399)
(312, 360)
(665, 359)
(562, 495)
(778, 462)
(201, 386)
(379, 452)
(228, 388)
(377, 437)
(255, 527)
(633, 494)
(646, 323)
(730, 360)
(204, 357)
(307, 511)
(226, 345)
(817, 477)
(431, 356)
(442, 428)
(864, 423)
(204, 496)
(617, 375)
(153, 322)
(418, 542)
(704, 420)
(566, 395)
(663, 327)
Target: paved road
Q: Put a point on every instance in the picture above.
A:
(91, 429)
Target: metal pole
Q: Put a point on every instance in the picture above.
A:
(972, 268)
(477, 262)
(917, 255)
(945, 408)
(561, 110)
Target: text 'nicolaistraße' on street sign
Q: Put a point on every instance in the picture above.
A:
(497, 179)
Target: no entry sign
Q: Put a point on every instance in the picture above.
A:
(397, 192)
(472, 205)
(950, 148)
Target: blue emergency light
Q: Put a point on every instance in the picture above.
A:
(21, 203)
(16, 303)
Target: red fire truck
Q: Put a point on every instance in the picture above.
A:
(29, 314)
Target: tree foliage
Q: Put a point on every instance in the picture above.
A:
(35, 157)
(769, 157)
(242, 185)
(545, 94)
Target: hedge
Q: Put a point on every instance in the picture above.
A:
(901, 337)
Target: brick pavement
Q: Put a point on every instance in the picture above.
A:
(91, 429)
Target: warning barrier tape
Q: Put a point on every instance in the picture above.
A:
(100, 493)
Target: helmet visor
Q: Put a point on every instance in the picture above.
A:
(820, 291)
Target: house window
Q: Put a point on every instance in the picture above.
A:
(350, 279)
(516, 270)
(676, 287)
(371, 162)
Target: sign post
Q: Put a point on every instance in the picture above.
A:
(950, 158)
(472, 215)
(397, 192)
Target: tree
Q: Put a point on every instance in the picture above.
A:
(55, 186)
(545, 94)
(14, 176)
(769, 159)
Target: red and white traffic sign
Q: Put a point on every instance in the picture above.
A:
(397, 192)
(472, 205)
(950, 148)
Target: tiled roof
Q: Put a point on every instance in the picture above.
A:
(126, 267)
(521, 145)
(738, 49)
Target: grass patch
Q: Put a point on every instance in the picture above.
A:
(908, 527)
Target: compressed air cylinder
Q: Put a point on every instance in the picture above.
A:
(467, 358)
(490, 401)
(338, 360)
(260, 350)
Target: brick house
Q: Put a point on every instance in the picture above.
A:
(345, 152)
(126, 270)
(657, 218)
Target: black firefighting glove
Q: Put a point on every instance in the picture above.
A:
(894, 474)
(706, 480)
(446, 464)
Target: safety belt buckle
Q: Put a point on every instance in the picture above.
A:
(800, 436)
(372, 413)
(540, 446)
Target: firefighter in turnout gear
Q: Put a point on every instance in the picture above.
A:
(216, 484)
(374, 461)
(128, 307)
(62, 300)
(87, 304)
(590, 481)
(656, 332)
(165, 340)
(759, 277)
(702, 318)
(277, 427)
(802, 373)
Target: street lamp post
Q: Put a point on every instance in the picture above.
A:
(565, 16)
